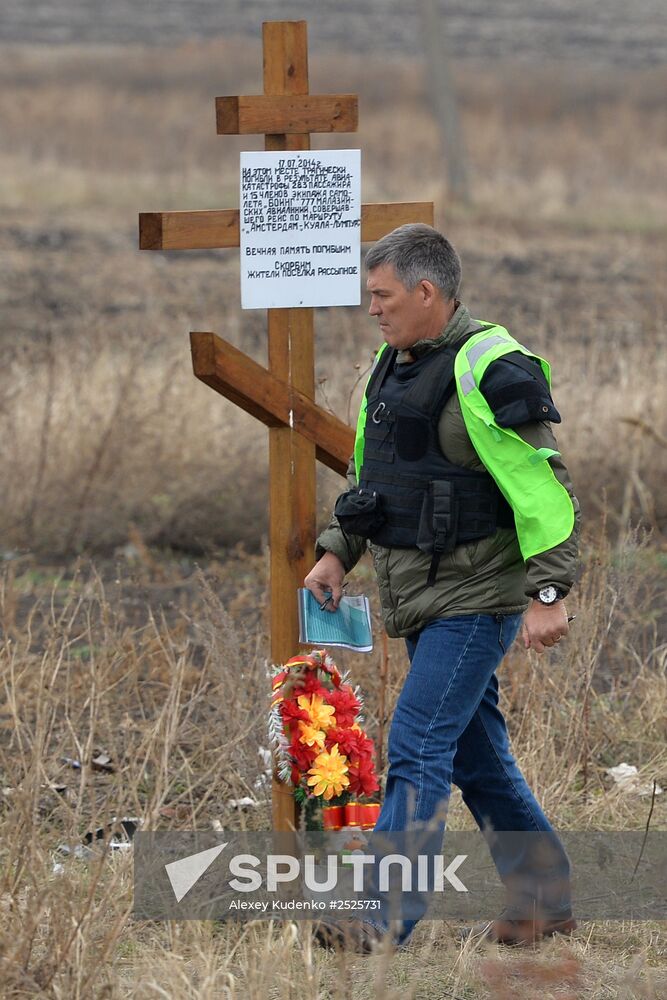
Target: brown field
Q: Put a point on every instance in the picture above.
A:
(133, 515)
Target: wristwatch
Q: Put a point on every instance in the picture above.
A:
(549, 595)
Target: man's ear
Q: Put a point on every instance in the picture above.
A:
(429, 292)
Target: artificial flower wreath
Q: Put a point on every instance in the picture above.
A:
(315, 728)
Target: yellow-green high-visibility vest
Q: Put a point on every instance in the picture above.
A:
(543, 510)
(361, 419)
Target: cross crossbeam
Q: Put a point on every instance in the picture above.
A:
(277, 404)
(270, 113)
(219, 230)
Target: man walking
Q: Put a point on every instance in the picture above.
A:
(457, 484)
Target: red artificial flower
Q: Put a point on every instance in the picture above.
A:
(311, 685)
(361, 772)
(291, 712)
(350, 741)
(365, 744)
(303, 755)
(345, 704)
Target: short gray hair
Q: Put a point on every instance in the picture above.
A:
(418, 252)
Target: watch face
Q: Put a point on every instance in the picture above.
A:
(548, 595)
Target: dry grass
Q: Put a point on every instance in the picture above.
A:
(109, 447)
(172, 697)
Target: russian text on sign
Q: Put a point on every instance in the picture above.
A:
(291, 209)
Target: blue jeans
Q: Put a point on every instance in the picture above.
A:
(446, 728)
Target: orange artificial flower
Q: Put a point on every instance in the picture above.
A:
(321, 714)
(328, 775)
(310, 735)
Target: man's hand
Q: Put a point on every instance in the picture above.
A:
(326, 577)
(544, 625)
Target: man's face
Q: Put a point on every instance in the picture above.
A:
(402, 315)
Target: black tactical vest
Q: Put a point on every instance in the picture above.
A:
(423, 500)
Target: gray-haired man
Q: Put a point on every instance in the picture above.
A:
(459, 488)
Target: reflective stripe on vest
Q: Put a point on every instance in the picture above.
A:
(543, 511)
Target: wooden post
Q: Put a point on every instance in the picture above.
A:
(282, 397)
(293, 499)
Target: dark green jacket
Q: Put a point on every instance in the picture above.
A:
(487, 576)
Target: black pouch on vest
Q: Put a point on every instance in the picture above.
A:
(359, 512)
(438, 523)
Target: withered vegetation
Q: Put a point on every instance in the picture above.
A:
(132, 599)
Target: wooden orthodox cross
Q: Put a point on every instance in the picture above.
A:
(281, 396)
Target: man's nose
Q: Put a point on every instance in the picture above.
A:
(374, 308)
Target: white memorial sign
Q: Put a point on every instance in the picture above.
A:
(300, 229)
